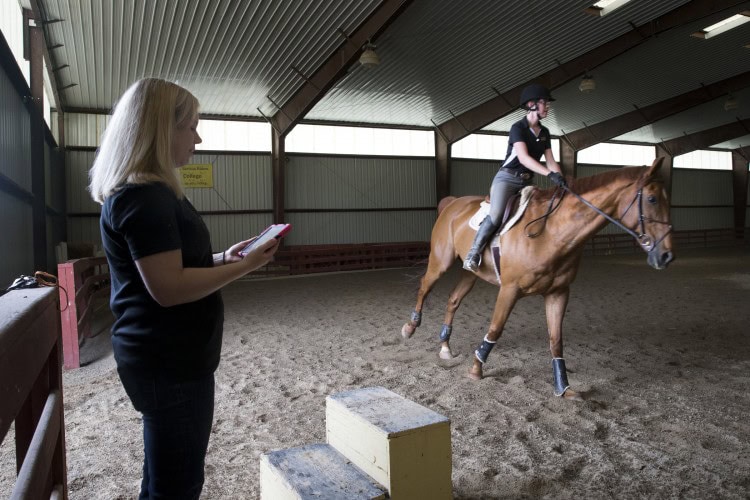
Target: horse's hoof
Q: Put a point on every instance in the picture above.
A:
(475, 374)
(445, 353)
(407, 331)
(572, 395)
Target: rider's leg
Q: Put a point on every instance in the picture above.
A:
(503, 186)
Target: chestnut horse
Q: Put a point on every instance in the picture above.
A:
(542, 251)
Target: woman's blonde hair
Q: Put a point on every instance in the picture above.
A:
(136, 146)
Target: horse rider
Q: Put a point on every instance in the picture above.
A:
(528, 141)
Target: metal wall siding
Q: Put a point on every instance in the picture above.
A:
(684, 219)
(359, 227)
(226, 230)
(241, 182)
(15, 142)
(84, 230)
(702, 187)
(55, 178)
(589, 170)
(472, 178)
(348, 182)
(17, 239)
(77, 165)
(82, 129)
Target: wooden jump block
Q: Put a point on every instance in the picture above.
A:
(399, 443)
(314, 471)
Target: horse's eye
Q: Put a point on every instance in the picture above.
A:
(652, 199)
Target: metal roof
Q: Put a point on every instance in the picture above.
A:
(439, 58)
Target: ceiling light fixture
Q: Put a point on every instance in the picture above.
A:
(369, 58)
(604, 7)
(731, 103)
(587, 84)
(723, 25)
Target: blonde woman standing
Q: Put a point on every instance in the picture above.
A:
(166, 279)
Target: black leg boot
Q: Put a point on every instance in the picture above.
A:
(484, 233)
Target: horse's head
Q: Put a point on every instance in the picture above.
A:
(653, 223)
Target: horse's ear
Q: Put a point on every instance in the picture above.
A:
(654, 168)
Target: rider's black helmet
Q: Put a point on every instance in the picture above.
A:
(534, 92)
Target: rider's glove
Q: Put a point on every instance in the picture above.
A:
(557, 179)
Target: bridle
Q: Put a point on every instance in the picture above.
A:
(643, 239)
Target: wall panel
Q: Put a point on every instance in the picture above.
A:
(359, 227)
(17, 241)
(15, 142)
(701, 187)
(472, 177)
(340, 182)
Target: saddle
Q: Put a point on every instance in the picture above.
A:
(514, 209)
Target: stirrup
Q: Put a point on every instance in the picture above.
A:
(472, 266)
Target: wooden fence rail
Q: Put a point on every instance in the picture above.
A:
(31, 391)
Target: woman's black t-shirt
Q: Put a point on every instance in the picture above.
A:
(536, 145)
(181, 342)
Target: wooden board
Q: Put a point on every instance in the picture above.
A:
(399, 443)
(314, 471)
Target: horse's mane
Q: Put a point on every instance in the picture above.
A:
(584, 185)
(594, 182)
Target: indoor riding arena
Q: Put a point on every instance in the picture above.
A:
(357, 122)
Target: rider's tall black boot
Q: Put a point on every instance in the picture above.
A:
(484, 233)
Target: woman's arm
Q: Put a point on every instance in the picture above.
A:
(531, 163)
(171, 284)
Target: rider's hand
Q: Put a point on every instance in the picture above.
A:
(557, 179)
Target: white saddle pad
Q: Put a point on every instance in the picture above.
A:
(484, 210)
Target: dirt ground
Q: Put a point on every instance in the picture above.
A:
(662, 357)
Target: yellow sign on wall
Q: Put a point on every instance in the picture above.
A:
(198, 175)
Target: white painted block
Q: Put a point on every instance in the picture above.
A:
(399, 443)
(315, 471)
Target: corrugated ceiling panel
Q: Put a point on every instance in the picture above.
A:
(230, 54)
(439, 58)
(671, 64)
(443, 57)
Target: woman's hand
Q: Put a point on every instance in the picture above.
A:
(259, 256)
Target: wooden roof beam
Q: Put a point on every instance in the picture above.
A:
(603, 131)
(707, 138)
(489, 111)
(319, 83)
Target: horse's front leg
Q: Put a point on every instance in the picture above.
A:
(506, 299)
(555, 304)
(462, 288)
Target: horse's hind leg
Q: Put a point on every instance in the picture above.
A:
(436, 267)
(463, 287)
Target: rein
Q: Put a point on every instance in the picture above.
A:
(643, 239)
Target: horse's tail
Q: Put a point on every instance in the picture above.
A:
(444, 203)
